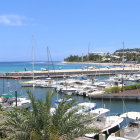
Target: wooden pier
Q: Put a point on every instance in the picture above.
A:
(69, 72)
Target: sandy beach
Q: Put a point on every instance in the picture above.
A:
(107, 64)
(126, 68)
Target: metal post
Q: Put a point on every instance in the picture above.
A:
(16, 97)
(3, 84)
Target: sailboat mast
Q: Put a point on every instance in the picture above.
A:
(123, 65)
(33, 55)
(48, 61)
(88, 52)
(82, 63)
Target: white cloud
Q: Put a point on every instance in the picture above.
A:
(12, 20)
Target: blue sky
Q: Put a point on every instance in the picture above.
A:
(66, 27)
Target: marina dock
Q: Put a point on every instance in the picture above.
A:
(69, 72)
(131, 95)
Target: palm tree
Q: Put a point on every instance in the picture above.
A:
(42, 124)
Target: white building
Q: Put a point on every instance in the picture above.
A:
(98, 53)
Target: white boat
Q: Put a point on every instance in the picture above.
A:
(68, 89)
(131, 131)
(11, 102)
(60, 100)
(106, 125)
(86, 107)
(134, 78)
(48, 83)
(22, 102)
(99, 112)
(28, 83)
(94, 92)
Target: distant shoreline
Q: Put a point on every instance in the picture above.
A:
(95, 63)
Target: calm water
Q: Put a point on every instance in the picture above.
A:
(11, 85)
(21, 66)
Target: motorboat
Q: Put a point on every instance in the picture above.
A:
(105, 124)
(12, 100)
(48, 83)
(99, 112)
(131, 131)
(22, 102)
(94, 92)
(86, 107)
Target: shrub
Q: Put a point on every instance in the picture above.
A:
(130, 87)
(108, 90)
(113, 90)
(118, 89)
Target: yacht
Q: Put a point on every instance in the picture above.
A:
(105, 124)
(131, 131)
(99, 112)
(84, 107)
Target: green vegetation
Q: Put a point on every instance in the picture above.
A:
(76, 58)
(73, 58)
(113, 90)
(130, 87)
(130, 55)
(43, 124)
(119, 89)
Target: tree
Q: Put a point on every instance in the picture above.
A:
(43, 124)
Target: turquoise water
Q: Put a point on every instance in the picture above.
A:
(21, 66)
(11, 85)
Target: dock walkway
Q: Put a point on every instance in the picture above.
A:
(69, 72)
(125, 95)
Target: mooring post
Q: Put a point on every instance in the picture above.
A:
(102, 137)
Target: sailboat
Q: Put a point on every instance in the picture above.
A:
(48, 82)
(33, 81)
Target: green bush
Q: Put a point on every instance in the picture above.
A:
(130, 87)
(108, 90)
(113, 90)
(118, 89)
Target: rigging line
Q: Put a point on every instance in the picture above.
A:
(102, 102)
(82, 64)
(123, 96)
(49, 54)
(110, 103)
(88, 52)
(33, 55)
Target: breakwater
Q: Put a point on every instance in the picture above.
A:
(120, 97)
(69, 72)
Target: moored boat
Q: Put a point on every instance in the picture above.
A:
(131, 131)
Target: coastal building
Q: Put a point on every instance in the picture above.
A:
(98, 53)
(106, 59)
(115, 56)
(128, 51)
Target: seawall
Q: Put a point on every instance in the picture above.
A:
(69, 72)
(132, 95)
